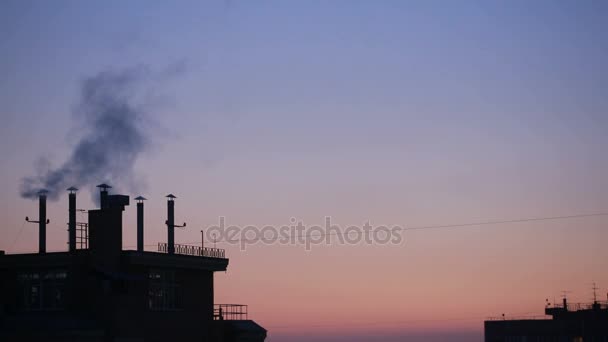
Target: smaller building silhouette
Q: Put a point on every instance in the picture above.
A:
(96, 291)
(569, 323)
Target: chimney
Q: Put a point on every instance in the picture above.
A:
(105, 233)
(42, 221)
(103, 195)
(140, 223)
(171, 224)
(72, 219)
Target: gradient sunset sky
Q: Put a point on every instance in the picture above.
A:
(410, 113)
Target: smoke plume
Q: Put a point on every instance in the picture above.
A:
(113, 136)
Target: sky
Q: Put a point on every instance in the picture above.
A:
(409, 113)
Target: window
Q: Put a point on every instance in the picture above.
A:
(163, 292)
(42, 290)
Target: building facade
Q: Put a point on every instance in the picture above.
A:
(99, 292)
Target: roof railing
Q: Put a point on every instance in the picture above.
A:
(229, 312)
(194, 250)
(518, 318)
(579, 306)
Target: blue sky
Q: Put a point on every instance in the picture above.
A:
(403, 112)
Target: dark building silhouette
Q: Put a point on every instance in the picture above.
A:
(569, 323)
(98, 292)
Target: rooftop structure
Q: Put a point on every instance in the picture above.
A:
(96, 291)
(562, 322)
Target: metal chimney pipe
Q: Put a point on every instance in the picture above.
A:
(171, 224)
(42, 221)
(103, 195)
(140, 223)
(72, 219)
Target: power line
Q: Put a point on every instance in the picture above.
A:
(444, 226)
(483, 223)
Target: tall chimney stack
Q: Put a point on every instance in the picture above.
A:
(171, 224)
(42, 221)
(103, 195)
(72, 219)
(140, 223)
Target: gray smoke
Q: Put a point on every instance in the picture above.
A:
(113, 136)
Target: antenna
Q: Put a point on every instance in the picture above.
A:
(594, 288)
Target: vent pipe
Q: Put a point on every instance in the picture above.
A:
(171, 224)
(140, 223)
(72, 219)
(103, 195)
(42, 221)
